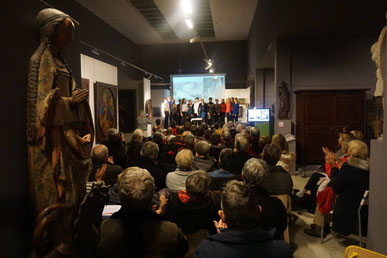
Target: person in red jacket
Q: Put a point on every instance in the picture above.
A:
(229, 109)
(222, 111)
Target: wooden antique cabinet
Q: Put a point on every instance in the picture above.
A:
(321, 115)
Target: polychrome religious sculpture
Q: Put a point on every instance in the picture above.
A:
(59, 135)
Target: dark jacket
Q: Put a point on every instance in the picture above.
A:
(253, 243)
(255, 148)
(207, 163)
(278, 181)
(140, 234)
(157, 173)
(193, 215)
(239, 160)
(117, 149)
(349, 184)
(273, 214)
(215, 152)
(202, 108)
(110, 175)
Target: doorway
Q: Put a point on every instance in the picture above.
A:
(127, 103)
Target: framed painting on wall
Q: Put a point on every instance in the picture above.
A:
(105, 99)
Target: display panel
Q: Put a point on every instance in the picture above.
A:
(200, 85)
(258, 115)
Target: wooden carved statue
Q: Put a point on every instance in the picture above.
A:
(284, 97)
(149, 108)
(59, 135)
(378, 56)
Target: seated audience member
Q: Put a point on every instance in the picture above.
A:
(349, 184)
(135, 230)
(288, 159)
(278, 181)
(193, 209)
(149, 152)
(203, 160)
(103, 170)
(225, 164)
(263, 141)
(158, 138)
(189, 142)
(169, 135)
(228, 141)
(207, 135)
(273, 213)
(134, 147)
(173, 126)
(116, 147)
(216, 146)
(255, 149)
(239, 232)
(217, 128)
(159, 125)
(240, 154)
(175, 181)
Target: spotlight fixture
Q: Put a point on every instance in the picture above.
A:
(189, 23)
(95, 51)
(212, 70)
(193, 40)
(123, 63)
(187, 6)
(209, 64)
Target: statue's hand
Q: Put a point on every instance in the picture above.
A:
(79, 96)
(86, 138)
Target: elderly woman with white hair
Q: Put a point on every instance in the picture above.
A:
(175, 181)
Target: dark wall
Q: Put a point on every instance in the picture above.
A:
(228, 57)
(18, 42)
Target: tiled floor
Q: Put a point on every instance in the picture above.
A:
(308, 246)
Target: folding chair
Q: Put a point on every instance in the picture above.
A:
(286, 202)
(354, 251)
(363, 202)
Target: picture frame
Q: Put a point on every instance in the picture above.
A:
(106, 109)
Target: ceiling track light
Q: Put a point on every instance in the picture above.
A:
(189, 24)
(95, 51)
(187, 6)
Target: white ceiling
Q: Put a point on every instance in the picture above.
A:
(231, 19)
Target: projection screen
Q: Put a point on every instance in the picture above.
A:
(190, 86)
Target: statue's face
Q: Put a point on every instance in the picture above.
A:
(64, 34)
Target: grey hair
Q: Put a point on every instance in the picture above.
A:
(198, 183)
(189, 139)
(203, 148)
(239, 128)
(226, 135)
(100, 152)
(139, 132)
(111, 131)
(136, 188)
(241, 142)
(254, 172)
(254, 131)
(150, 150)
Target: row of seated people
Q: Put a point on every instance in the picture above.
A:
(339, 187)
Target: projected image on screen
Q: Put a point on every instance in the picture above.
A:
(258, 115)
(201, 86)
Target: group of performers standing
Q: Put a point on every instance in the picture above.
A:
(209, 112)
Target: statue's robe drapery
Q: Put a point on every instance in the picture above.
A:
(58, 121)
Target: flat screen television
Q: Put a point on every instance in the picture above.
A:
(258, 115)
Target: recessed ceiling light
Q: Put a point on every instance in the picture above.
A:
(189, 23)
(187, 6)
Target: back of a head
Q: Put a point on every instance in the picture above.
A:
(158, 138)
(226, 135)
(184, 159)
(280, 141)
(263, 141)
(238, 128)
(242, 144)
(254, 172)
(358, 134)
(189, 139)
(169, 131)
(111, 132)
(180, 130)
(226, 159)
(197, 184)
(230, 124)
(271, 154)
(358, 149)
(199, 132)
(136, 187)
(215, 139)
(207, 135)
(239, 205)
(216, 125)
(150, 150)
(158, 122)
(203, 148)
(254, 131)
(100, 152)
(139, 132)
(136, 138)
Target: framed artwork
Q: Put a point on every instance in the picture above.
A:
(156, 111)
(105, 99)
(240, 111)
(85, 83)
(242, 101)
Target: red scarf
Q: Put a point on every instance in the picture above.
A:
(186, 198)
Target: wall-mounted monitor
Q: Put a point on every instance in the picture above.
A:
(258, 115)
(190, 86)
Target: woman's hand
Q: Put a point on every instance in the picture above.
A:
(86, 138)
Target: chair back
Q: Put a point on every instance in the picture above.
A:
(285, 200)
(354, 251)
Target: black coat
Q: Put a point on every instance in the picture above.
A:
(253, 243)
(207, 163)
(157, 173)
(349, 184)
(192, 216)
(111, 173)
(278, 181)
(239, 160)
(273, 214)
